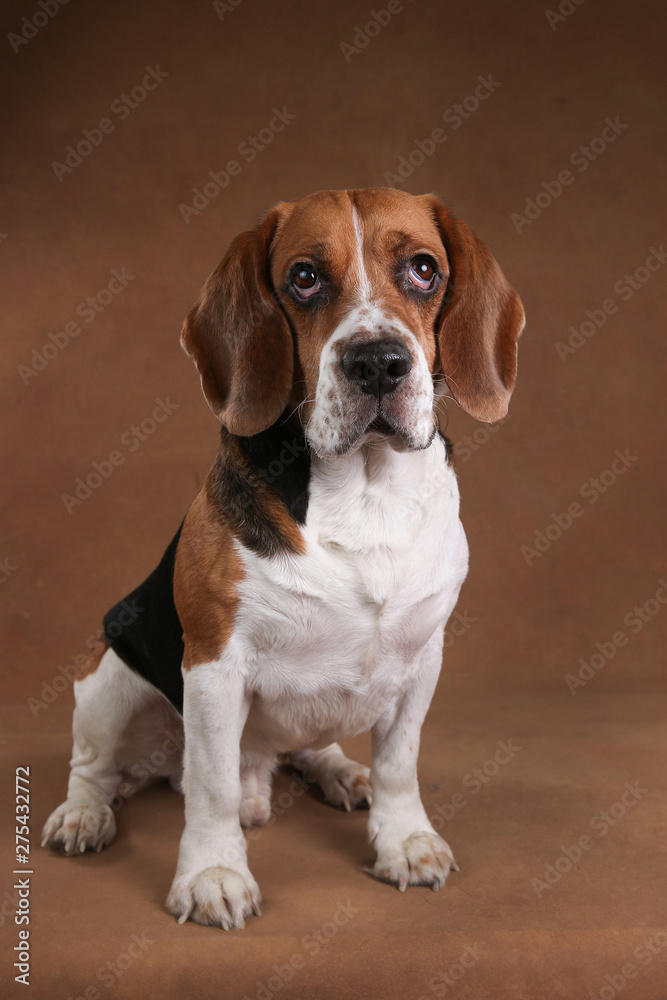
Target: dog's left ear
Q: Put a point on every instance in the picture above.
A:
(239, 337)
(479, 324)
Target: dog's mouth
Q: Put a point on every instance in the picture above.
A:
(380, 426)
(391, 419)
(380, 421)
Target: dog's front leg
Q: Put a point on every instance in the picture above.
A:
(409, 851)
(213, 884)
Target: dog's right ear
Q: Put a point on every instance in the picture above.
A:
(239, 337)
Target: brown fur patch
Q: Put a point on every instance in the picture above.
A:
(235, 502)
(206, 575)
(93, 661)
(277, 515)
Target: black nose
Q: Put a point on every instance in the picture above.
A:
(377, 368)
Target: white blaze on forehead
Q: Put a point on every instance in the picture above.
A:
(363, 281)
(334, 415)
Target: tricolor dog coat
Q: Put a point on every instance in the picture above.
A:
(304, 598)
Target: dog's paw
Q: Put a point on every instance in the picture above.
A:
(347, 786)
(220, 897)
(423, 859)
(75, 827)
(255, 810)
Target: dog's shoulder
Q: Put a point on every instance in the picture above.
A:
(259, 488)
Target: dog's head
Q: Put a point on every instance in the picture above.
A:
(355, 309)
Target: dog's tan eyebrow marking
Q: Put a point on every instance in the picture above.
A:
(397, 239)
(318, 252)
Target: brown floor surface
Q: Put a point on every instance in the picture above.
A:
(529, 626)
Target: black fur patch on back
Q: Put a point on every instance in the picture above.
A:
(251, 475)
(144, 630)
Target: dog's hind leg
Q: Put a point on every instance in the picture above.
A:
(345, 783)
(107, 701)
(256, 780)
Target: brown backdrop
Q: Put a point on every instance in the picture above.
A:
(531, 922)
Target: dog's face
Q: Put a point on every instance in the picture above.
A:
(349, 307)
(362, 279)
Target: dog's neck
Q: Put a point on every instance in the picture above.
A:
(378, 496)
(373, 495)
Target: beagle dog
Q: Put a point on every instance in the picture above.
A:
(305, 595)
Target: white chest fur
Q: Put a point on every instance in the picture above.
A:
(326, 639)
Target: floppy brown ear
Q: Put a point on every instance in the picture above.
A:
(239, 337)
(479, 325)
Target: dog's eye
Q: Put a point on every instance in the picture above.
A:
(423, 271)
(305, 281)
